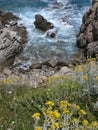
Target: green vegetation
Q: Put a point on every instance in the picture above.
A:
(18, 103)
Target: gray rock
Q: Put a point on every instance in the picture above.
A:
(53, 62)
(65, 70)
(12, 38)
(88, 36)
(7, 71)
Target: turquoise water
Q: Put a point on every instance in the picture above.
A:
(66, 15)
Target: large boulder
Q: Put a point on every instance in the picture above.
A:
(42, 24)
(12, 38)
(88, 35)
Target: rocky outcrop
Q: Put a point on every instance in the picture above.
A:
(88, 36)
(12, 38)
(41, 23)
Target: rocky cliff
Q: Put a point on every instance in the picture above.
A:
(88, 35)
(12, 38)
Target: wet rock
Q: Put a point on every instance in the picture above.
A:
(12, 38)
(51, 33)
(7, 18)
(42, 24)
(88, 36)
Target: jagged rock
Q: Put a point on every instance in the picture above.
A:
(41, 23)
(12, 38)
(88, 36)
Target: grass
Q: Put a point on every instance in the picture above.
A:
(19, 102)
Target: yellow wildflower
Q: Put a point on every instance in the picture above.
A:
(57, 125)
(8, 80)
(75, 106)
(96, 77)
(38, 128)
(36, 115)
(50, 80)
(70, 65)
(50, 114)
(56, 114)
(85, 122)
(56, 77)
(66, 111)
(85, 77)
(82, 112)
(63, 104)
(94, 124)
(74, 120)
(47, 111)
(78, 68)
(91, 59)
(50, 103)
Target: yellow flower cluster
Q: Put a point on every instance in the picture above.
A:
(96, 77)
(86, 77)
(63, 104)
(53, 78)
(51, 113)
(74, 120)
(50, 103)
(10, 80)
(85, 122)
(36, 115)
(64, 118)
(79, 68)
(7, 81)
(82, 112)
(56, 125)
(56, 113)
(91, 59)
(94, 123)
(38, 128)
(65, 111)
(76, 107)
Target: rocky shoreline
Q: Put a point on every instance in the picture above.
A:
(13, 38)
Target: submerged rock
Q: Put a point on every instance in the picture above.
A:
(12, 38)
(51, 33)
(88, 36)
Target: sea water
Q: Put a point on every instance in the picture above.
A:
(66, 15)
